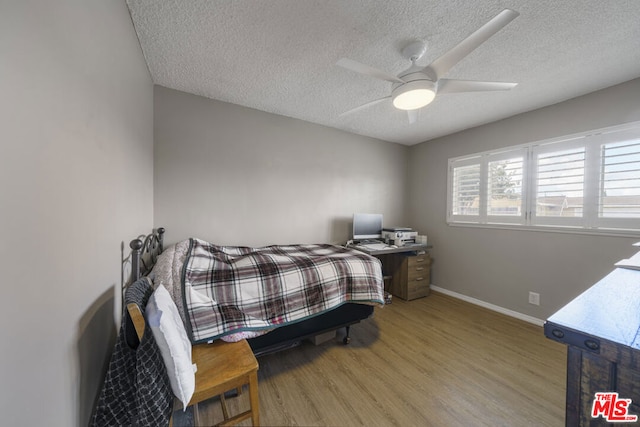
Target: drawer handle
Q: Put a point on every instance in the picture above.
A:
(419, 268)
(557, 333)
(591, 344)
(419, 259)
(419, 278)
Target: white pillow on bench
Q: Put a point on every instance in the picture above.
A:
(170, 335)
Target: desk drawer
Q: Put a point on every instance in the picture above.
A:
(418, 260)
(416, 273)
(417, 267)
(417, 288)
(421, 271)
(411, 275)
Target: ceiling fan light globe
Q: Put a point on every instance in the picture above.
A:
(414, 99)
(414, 95)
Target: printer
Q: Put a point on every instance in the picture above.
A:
(404, 234)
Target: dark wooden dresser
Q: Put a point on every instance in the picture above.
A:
(601, 328)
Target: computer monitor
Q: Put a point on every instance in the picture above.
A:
(367, 226)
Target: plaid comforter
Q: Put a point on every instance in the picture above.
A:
(229, 289)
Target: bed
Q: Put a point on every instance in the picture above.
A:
(332, 287)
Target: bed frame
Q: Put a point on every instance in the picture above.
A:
(145, 251)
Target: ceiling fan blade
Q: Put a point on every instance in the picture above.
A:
(413, 115)
(445, 62)
(352, 65)
(363, 106)
(453, 86)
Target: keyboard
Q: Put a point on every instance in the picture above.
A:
(375, 246)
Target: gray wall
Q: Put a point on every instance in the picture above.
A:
(236, 176)
(77, 131)
(501, 266)
(77, 108)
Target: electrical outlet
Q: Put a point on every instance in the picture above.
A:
(534, 298)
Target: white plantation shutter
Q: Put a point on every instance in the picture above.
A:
(588, 181)
(487, 188)
(618, 198)
(504, 187)
(465, 193)
(559, 184)
(620, 184)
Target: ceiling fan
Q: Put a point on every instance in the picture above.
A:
(417, 86)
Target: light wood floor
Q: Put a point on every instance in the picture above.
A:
(434, 361)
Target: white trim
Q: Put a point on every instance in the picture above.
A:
(502, 310)
(611, 232)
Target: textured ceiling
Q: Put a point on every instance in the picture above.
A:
(279, 56)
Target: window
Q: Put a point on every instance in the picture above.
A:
(589, 182)
(504, 187)
(618, 193)
(620, 190)
(558, 183)
(466, 190)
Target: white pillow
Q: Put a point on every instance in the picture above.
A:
(175, 347)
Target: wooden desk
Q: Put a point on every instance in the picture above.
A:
(601, 328)
(400, 249)
(408, 268)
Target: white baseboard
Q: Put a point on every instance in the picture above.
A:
(526, 318)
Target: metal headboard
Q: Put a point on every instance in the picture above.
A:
(142, 258)
(144, 253)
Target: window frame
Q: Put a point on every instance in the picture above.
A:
(609, 138)
(496, 157)
(558, 145)
(468, 161)
(590, 222)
